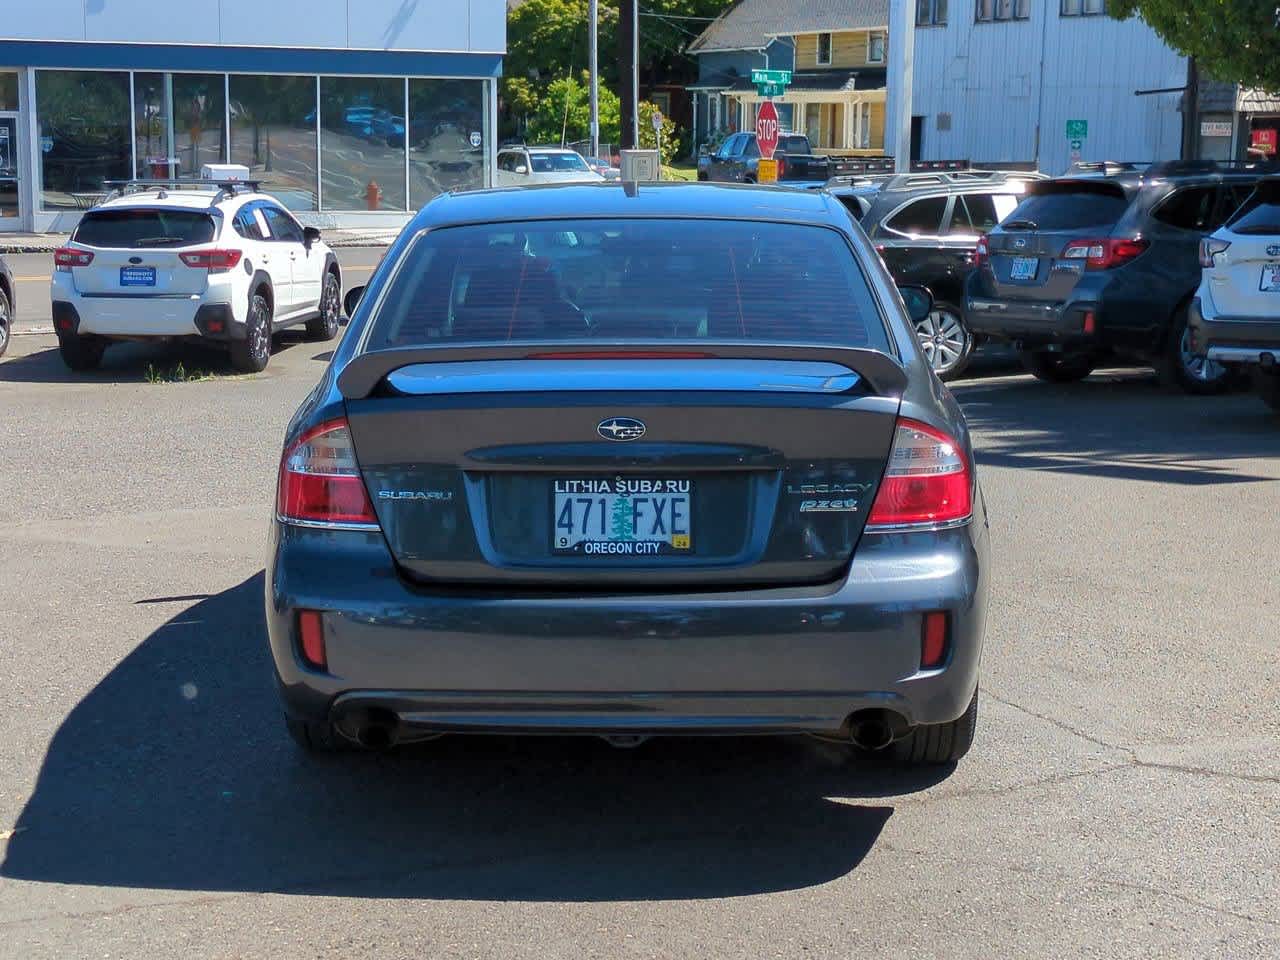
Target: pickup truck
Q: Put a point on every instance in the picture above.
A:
(738, 158)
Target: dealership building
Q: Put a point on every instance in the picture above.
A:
(353, 113)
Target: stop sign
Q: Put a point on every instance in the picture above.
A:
(767, 129)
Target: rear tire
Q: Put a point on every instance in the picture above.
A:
(1267, 386)
(6, 322)
(936, 743)
(251, 354)
(1057, 367)
(325, 326)
(945, 341)
(1183, 369)
(81, 354)
(315, 738)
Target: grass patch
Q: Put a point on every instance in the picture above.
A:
(680, 173)
(178, 373)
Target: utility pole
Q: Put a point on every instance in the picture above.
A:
(594, 15)
(1191, 112)
(902, 45)
(629, 71)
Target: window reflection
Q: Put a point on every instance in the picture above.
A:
(199, 121)
(83, 117)
(446, 137)
(273, 134)
(8, 91)
(362, 143)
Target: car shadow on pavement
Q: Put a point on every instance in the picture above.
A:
(1121, 425)
(134, 362)
(175, 772)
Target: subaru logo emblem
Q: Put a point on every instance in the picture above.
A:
(1019, 243)
(1273, 250)
(621, 428)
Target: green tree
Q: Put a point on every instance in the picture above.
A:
(620, 523)
(564, 113)
(1233, 40)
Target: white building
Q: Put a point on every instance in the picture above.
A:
(997, 81)
(351, 111)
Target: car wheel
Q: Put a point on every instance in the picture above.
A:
(1267, 386)
(251, 354)
(1057, 367)
(1184, 369)
(315, 737)
(325, 326)
(937, 743)
(81, 354)
(946, 341)
(6, 321)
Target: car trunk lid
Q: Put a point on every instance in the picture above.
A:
(1244, 279)
(1026, 251)
(594, 465)
(138, 251)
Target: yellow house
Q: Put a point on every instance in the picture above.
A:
(837, 90)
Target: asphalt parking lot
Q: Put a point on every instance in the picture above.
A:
(1121, 800)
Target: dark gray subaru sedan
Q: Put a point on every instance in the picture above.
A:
(630, 461)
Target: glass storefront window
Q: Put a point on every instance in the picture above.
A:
(446, 137)
(8, 91)
(151, 111)
(273, 133)
(83, 117)
(362, 143)
(199, 121)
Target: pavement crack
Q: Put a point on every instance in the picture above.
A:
(1060, 724)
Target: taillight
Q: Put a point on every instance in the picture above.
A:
(928, 481)
(320, 479)
(64, 258)
(980, 253)
(213, 260)
(1104, 253)
(1210, 247)
(782, 167)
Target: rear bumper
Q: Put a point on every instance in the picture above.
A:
(1030, 322)
(753, 661)
(1245, 340)
(176, 315)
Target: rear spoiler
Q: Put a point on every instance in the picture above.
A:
(881, 372)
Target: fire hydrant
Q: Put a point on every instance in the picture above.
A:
(372, 195)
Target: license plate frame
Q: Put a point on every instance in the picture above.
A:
(134, 276)
(1024, 268)
(617, 517)
(1273, 284)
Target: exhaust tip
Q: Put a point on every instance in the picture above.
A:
(377, 728)
(625, 741)
(875, 729)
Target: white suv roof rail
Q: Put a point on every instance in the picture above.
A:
(223, 187)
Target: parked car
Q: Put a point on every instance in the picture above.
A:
(630, 463)
(604, 167)
(738, 160)
(1235, 316)
(520, 166)
(925, 227)
(1105, 262)
(218, 263)
(8, 304)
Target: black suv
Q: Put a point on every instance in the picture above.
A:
(926, 226)
(1105, 261)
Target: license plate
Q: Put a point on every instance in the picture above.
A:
(1024, 268)
(1270, 278)
(137, 276)
(622, 517)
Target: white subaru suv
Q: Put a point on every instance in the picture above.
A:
(216, 262)
(1235, 316)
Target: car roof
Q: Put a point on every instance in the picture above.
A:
(616, 199)
(184, 199)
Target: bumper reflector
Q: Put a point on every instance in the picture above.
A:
(933, 640)
(1090, 322)
(311, 635)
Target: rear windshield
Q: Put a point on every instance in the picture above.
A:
(630, 279)
(793, 145)
(1068, 207)
(144, 228)
(1260, 213)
